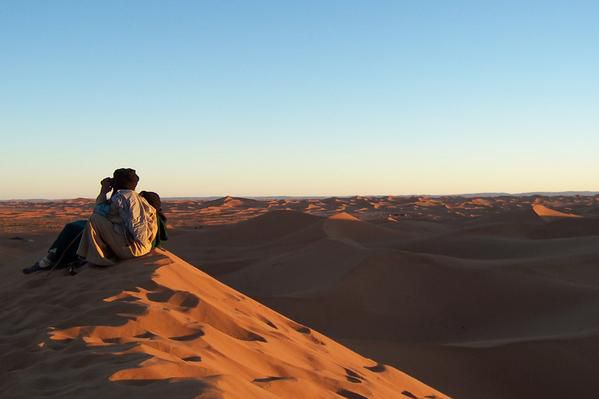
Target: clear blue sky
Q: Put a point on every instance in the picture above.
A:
(299, 97)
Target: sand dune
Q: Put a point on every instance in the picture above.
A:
(445, 299)
(47, 215)
(546, 212)
(158, 327)
(343, 216)
(479, 297)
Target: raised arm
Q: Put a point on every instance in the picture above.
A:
(105, 187)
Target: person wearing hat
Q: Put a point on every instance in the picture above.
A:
(121, 227)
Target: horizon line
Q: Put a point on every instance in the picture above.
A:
(264, 197)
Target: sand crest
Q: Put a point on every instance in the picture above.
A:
(157, 326)
(546, 212)
(343, 216)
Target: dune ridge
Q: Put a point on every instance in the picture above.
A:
(158, 326)
(195, 213)
(546, 212)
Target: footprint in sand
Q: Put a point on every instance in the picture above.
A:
(192, 359)
(189, 337)
(378, 368)
(145, 335)
(273, 378)
(350, 395)
(303, 330)
(177, 298)
(270, 323)
(352, 376)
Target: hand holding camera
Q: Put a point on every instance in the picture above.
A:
(106, 184)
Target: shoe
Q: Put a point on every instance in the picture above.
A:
(46, 263)
(73, 266)
(52, 256)
(35, 268)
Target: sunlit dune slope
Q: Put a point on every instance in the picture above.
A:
(343, 216)
(159, 327)
(546, 212)
(497, 298)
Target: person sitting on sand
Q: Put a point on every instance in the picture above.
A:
(131, 208)
(122, 227)
(154, 200)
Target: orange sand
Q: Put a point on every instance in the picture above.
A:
(477, 297)
(546, 212)
(129, 329)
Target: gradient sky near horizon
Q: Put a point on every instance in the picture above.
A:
(335, 97)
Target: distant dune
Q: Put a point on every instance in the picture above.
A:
(193, 213)
(546, 212)
(469, 295)
(343, 216)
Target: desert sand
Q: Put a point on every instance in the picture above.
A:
(476, 297)
(157, 326)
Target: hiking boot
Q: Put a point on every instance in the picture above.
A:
(43, 264)
(52, 256)
(35, 268)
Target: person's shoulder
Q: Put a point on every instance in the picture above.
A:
(124, 198)
(126, 194)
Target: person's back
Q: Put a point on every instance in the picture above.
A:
(122, 227)
(138, 217)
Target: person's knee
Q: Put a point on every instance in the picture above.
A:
(95, 218)
(72, 227)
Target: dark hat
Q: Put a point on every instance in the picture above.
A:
(124, 179)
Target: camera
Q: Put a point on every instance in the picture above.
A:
(107, 182)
